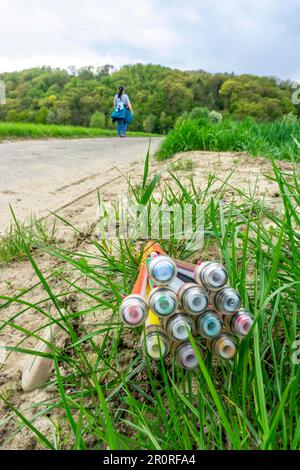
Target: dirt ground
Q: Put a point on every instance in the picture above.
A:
(243, 171)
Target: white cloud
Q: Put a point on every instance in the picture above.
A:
(257, 36)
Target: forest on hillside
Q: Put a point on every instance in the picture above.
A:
(84, 96)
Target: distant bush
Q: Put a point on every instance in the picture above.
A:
(214, 116)
(21, 116)
(51, 118)
(42, 115)
(165, 122)
(183, 117)
(199, 112)
(149, 123)
(98, 120)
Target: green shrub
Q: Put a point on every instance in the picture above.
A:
(98, 120)
(199, 112)
(183, 117)
(41, 116)
(165, 122)
(51, 118)
(149, 123)
(214, 116)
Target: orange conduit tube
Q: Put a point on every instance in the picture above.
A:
(140, 285)
(151, 247)
(134, 308)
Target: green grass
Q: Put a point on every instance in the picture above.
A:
(33, 231)
(182, 165)
(274, 139)
(110, 395)
(11, 130)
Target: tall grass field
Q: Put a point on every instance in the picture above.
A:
(269, 139)
(109, 395)
(11, 130)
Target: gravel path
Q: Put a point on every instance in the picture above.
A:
(37, 176)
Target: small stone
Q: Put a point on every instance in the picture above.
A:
(37, 369)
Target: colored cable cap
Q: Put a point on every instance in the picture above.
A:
(157, 345)
(178, 327)
(209, 325)
(225, 347)
(193, 298)
(163, 302)
(162, 269)
(227, 301)
(211, 275)
(133, 310)
(242, 323)
(186, 357)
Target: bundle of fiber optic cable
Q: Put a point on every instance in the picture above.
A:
(176, 299)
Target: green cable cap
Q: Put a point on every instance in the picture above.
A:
(165, 305)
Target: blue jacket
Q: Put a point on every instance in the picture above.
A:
(122, 114)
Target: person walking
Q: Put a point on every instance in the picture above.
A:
(122, 113)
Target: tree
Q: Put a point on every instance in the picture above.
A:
(62, 112)
(178, 97)
(257, 97)
(159, 95)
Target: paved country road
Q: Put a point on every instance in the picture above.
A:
(37, 176)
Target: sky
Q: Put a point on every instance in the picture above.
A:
(242, 36)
